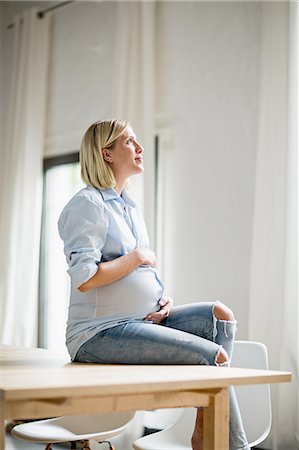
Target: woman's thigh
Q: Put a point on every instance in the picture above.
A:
(139, 342)
(195, 318)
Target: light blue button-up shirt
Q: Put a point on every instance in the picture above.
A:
(98, 226)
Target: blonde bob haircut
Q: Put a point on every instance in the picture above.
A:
(95, 171)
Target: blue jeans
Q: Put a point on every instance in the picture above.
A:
(190, 335)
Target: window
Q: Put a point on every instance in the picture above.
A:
(61, 181)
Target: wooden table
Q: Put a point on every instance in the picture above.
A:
(37, 383)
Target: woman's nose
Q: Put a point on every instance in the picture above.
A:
(139, 148)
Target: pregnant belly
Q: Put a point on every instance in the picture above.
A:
(134, 295)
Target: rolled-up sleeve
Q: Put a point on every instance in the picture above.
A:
(83, 227)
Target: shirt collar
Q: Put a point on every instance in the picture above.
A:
(128, 199)
(111, 194)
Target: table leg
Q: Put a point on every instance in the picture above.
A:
(216, 421)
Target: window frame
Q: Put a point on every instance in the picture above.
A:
(48, 163)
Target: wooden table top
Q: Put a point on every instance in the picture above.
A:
(36, 373)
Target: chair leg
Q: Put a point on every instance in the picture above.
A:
(48, 447)
(73, 445)
(111, 446)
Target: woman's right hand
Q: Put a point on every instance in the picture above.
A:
(146, 256)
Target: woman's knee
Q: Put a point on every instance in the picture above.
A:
(222, 357)
(223, 312)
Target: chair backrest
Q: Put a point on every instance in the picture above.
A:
(177, 421)
(160, 419)
(95, 423)
(74, 428)
(254, 401)
(183, 428)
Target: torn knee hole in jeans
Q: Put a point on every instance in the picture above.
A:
(226, 323)
(223, 334)
(223, 363)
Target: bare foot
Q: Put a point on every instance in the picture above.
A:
(197, 438)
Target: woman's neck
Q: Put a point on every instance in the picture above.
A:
(119, 186)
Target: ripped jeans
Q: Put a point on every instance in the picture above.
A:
(190, 335)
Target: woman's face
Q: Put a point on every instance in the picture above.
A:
(125, 157)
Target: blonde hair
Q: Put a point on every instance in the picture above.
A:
(95, 171)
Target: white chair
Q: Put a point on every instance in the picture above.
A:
(159, 419)
(176, 437)
(254, 402)
(74, 429)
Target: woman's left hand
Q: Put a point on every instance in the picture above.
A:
(166, 304)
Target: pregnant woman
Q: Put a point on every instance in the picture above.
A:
(118, 313)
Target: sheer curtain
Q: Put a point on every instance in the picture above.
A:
(273, 317)
(21, 181)
(134, 89)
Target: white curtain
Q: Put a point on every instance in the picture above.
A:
(134, 89)
(273, 317)
(21, 181)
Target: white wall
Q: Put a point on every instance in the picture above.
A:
(208, 76)
(208, 71)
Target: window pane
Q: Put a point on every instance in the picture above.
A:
(61, 183)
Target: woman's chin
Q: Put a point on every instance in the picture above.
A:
(139, 169)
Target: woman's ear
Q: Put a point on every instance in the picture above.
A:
(107, 155)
